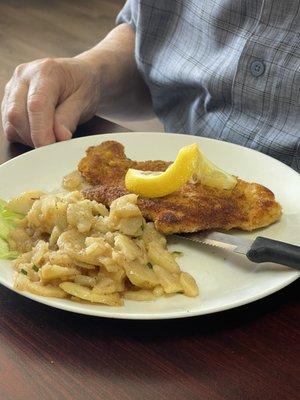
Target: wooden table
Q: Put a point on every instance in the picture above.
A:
(244, 354)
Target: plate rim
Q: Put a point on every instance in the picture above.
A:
(183, 135)
(153, 316)
(150, 317)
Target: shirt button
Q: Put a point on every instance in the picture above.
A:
(257, 68)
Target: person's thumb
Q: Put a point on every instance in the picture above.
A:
(66, 118)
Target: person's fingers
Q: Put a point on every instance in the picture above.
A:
(41, 101)
(9, 131)
(14, 101)
(5, 123)
(14, 137)
(67, 116)
(15, 114)
(61, 132)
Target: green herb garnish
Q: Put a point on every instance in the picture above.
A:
(23, 271)
(35, 268)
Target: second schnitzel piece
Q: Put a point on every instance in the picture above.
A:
(194, 207)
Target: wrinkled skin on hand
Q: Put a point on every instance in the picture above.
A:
(46, 99)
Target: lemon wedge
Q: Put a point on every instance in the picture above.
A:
(190, 164)
(211, 175)
(158, 184)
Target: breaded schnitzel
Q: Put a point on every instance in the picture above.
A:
(193, 207)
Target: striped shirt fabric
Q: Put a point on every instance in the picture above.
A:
(224, 69)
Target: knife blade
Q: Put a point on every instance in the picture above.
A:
(259, 250)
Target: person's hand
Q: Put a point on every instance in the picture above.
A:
(46, 99)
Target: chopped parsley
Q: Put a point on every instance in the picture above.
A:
(35, 268)
(23, 271)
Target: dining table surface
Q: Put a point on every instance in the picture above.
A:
(250, 352)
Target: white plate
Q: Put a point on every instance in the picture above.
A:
(225, 280)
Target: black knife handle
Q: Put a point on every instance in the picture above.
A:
(269, 250)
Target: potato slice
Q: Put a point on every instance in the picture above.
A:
(168, 281)
(21, 282)
(141, 275)
(189, 285)
(23, 203)
(50, 272)
(86, 294)
(160, 256)
(140, 295)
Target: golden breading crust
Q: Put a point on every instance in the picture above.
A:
(107, 163)
(193, 208)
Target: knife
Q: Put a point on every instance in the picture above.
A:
(259, 250)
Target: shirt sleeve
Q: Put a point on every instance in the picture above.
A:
(128, 14)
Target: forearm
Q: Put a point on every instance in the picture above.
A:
(113, 63)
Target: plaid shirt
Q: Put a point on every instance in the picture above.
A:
(225, 69)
